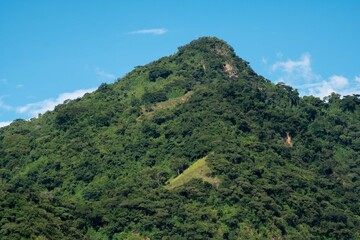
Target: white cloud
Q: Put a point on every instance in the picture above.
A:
(322, 89)
(338, 82)
(264, 60)
(33, 109)
(19, 86)
(357, 79)
(4, 124)
(299, 74)
(296, 69)
(335, 83)
(153, 31)
(101, 73)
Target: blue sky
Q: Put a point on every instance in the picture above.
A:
(51, 51)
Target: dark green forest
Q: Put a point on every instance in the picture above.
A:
(278, 166)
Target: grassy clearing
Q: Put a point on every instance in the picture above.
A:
(198, 170)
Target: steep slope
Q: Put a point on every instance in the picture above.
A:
(98, 167)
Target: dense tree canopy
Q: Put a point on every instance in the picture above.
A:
(98, 167)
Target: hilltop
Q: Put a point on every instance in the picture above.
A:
(195, 145)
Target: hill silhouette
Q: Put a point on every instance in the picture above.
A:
(101, 167)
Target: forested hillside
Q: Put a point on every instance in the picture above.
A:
(191, 146)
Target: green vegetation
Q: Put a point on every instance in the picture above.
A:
(148, 112)
(99, 167)
(197, 170)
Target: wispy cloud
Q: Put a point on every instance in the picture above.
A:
(152, 31)
(264, 60)
(33, 109)
(335, 83)
(105, 75)
(3, 105)
(296, 69)
(299, 74)
(357, 79)
(3, 81)
(4, 124)
(19, 86)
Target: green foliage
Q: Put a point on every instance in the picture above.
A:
(153, 97)
(98, 167)
(198, 170)
(158, 72)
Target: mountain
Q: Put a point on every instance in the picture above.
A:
(195, 145)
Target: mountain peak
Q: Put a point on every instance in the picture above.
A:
(209, 44)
